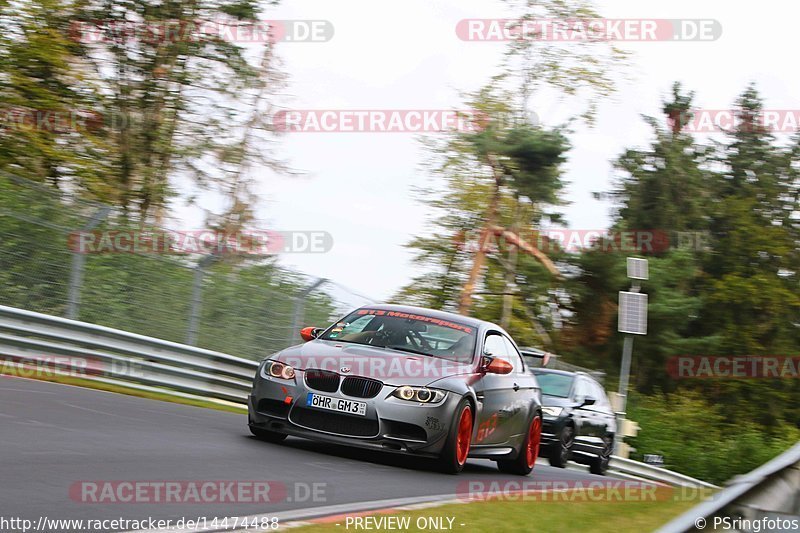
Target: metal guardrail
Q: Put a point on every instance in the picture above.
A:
(30, 338)
(770, 492)
(655, 473)
(109, 355)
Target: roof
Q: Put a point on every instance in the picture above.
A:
(554, 371)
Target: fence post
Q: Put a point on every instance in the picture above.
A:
(299, 309)
(197, 298)
(76, 270)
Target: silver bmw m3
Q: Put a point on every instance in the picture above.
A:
(407, 380)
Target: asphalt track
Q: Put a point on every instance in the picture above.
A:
(52, 436)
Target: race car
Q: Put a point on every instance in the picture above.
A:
(406, 380)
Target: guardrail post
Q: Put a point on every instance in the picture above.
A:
(197, 298)
(76, 270)
(299, 308)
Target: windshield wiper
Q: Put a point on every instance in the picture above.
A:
(409, 350)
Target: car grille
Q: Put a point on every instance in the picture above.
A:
(322, 380)
(334, 422)
(361, 387)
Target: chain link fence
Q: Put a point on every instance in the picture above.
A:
(244, 306)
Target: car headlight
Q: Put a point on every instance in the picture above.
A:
(419, 394)
(276, 369)
(552, 411)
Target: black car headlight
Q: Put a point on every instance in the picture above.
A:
(419, 394)
(276, 369)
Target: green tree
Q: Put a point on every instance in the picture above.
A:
(48, 118)
(504, 174)
(157, 97)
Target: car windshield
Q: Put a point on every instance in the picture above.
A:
(557, 385)
(407, 332)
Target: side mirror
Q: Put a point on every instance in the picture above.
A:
(588, 401)
(310, 333)
(497, 366)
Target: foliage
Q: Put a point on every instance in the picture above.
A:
(506, 173)
(731, 290)
(699, 439)
(150, 95)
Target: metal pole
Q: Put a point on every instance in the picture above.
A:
(299, 308)
(76, 270)
(197, 298)
(197, 302)
(624, 373)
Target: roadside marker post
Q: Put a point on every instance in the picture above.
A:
(632, 320)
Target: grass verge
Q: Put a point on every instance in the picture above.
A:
(532, 516)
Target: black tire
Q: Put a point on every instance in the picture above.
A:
(599, 464)
(523, 464)
(561, 451)
(266, 435)
(452, 460)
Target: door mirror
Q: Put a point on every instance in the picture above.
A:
(588, 401)
(310, 333)
(497, 366)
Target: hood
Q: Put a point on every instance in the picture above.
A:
(389, 366)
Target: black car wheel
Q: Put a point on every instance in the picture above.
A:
(456, 449)
(600, 463)
(562, 450)
(529, 451)
(267, 436)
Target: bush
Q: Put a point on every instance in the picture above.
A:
(696, 438)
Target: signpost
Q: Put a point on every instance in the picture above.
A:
(632, 320)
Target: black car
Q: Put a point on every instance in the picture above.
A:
(579, 423)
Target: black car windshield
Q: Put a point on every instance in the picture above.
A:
(557, 385)
(408, 332)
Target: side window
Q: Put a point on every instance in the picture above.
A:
(495, 346)
(514, 355)
(599, 393)
(581, 389)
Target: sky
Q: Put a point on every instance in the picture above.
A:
(359, 187)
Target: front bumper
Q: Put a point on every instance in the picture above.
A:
(551, 428)
(390, 424)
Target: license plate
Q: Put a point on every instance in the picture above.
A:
(339, 405)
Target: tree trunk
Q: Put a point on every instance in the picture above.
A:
(480, 254)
